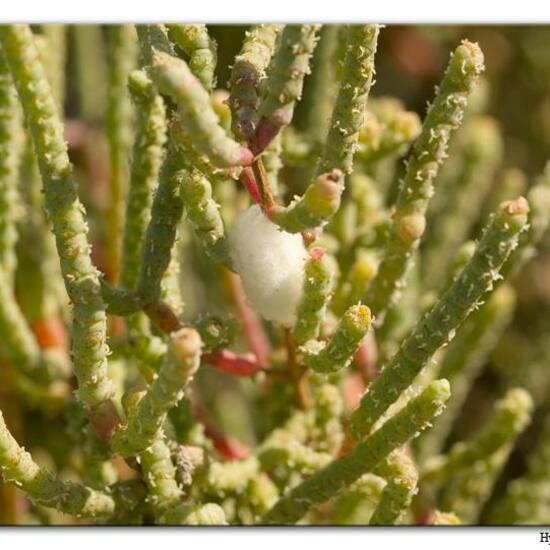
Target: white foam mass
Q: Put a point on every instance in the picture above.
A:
(271, 265)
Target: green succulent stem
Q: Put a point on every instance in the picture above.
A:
(321, 199)
(438, 326)
(122, 56)
(322, 86)
(365, 456)
(153, 38)
(511, 416)
(481, 147)
(428, 152)
(337, 353)
(247, 76)
(147, 158)
(143, 425)
(471, 468)
(465, 356)
(315, 207)
(159, 472)
(285, 80)
(539, 221)
(402, 478)
(89, 347)
(175, 79)
(10, 152)
(350, 105)
(160, 236)
(318, 283)
(203, 213)
(44, 488)
(201, 48)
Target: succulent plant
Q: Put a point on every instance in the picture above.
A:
(259, 332)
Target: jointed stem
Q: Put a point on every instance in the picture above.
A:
(89, 347)
(439, 325)
(341, 473)
(428, 153)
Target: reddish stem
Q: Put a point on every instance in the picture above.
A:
(229, 448)
(366, 359)
(352, 389)
(249, 181)
(231, 363)
(266, 131)
(426, 517)
(104, 419)
(163, 317)
(262, 181)
(254, 333)
(51, 333)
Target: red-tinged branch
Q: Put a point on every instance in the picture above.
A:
(249, 181)
(227, 447)
(51, 333)
(163, 317)
(232, 363)
(366, 358)
(353, 388)
(268, 201)
(254, 333)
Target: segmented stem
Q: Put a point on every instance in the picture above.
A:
(201, 514)
(246, 78)
(350, 107)
(315, 207)
(44, 488)
(203, 213)
(174, 78)
(147, 157)
(195, 41)
(438, 327)
(338, 351)
(153, 38)
(321, 199)
(342, 472)
(160, 476)
(429, 150)
(122, 57)
(318, 283)
(481, 147)
(10, 151)
(89, 347)
(285, 81)
(160, 236)
(402, 478)
(181, 362)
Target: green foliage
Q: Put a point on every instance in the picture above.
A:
(188, 407)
